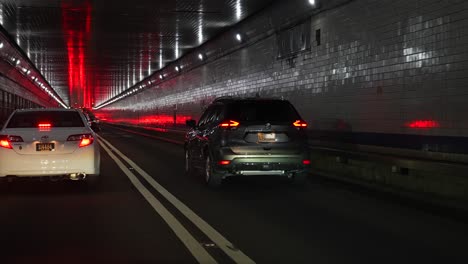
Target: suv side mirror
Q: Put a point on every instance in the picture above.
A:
(191, 123)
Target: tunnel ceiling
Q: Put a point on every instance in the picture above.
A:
(90, 51)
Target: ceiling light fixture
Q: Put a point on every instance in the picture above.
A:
(239, 37)
(201, 57)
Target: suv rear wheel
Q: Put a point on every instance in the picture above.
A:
(211, 178)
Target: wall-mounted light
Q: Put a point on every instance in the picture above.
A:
(177, 68)
(28, 72)
(314, 3)
(161, 76)
(18, 62)
(1, 45)
(423, 124)
(201, 57)
(239, 37)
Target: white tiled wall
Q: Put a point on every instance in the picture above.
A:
(381, 64)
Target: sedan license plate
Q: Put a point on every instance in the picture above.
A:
(266, 137)
(45, 146)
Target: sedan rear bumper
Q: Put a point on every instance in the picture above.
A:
(85, 161)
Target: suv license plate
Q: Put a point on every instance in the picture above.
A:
(266, 137)
(45, 146)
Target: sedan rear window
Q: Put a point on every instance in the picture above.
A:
(262, 111)
(54, 118)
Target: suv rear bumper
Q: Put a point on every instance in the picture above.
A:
(252, 165)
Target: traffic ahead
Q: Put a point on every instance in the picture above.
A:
(146, 209)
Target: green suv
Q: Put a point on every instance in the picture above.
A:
(248, 137)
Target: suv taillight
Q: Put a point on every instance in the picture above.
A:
(84, 139)
(300, 123)
(6, 140)
(230, 123)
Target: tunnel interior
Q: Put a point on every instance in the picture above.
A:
(369, 77)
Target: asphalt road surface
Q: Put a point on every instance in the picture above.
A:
(146, 210)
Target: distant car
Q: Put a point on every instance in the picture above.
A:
(247, 137)
(93, 122)
(56, 143)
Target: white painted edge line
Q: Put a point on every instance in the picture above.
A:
(226, 246)
(200, 253)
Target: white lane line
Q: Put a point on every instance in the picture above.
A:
(200, 254)
(224, 244)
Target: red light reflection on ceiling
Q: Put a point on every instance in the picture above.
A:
(76, 20)
(423, 124)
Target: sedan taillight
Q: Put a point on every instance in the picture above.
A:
(84, 139)
(6, 140)
(5, 144)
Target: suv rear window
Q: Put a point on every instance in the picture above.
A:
(262, 111)
(54, 118)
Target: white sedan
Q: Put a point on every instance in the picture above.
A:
(56, 143)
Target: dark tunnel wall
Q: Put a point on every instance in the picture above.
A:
(388, 67)
(13, 96)
(17, 92)
(20, 81)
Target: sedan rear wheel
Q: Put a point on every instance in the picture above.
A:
(212, 179)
